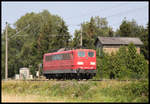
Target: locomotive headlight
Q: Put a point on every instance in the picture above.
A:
(80, 63)
(92, 63)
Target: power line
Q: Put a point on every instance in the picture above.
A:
(58, 35)
(125, 12)
(20, 31)
(106, 16)
(102, 11)
(115, 14)
(95, 11)
(74, 25)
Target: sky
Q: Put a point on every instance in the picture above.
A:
(75, 13)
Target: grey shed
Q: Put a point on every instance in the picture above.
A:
(109, 44)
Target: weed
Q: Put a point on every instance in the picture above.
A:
(88, 91)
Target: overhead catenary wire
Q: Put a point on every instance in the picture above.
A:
(102, 11)
(118, 5)
(20, 31)
(72, 25)
(126, 11)
(64, 18)
(58, 35)
(113, 15)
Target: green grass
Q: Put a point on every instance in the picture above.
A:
(80, 91)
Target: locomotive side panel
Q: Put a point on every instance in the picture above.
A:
(58, 62)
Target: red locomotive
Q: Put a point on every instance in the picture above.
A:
(76, 63)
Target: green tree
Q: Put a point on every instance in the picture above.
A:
(45, 33)
(103, 66)
(132, 29)
(125, 64)
(128, 29)
(144, 36)
(13, 50)
(91, 30)
(136, 63)
(76, 39)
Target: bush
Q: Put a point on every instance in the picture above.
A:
(102, 66)
(124, 64)
(136, 63)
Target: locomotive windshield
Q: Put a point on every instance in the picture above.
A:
(90, 54)
(81, 53)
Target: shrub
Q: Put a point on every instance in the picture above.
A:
(125, 64)
(136, 63)
(102, 66)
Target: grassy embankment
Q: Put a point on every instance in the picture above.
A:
(75, 91)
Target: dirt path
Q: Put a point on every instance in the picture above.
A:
(29, 98)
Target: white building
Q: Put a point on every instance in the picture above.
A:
(25, 73)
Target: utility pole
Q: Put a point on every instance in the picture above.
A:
(39, 71)
(81, 37)
(6, 50)
(6, 58)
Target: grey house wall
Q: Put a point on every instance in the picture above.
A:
(110, 48)
(99, 47)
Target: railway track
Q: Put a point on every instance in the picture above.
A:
(78, 80)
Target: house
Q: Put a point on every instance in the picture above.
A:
(112, 44)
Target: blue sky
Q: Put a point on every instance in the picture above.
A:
(75, 13)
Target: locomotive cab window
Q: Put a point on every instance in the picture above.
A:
(91, 54)
(81, 53)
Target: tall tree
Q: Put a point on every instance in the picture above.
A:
(132, 29)
(144, 36)
(128, 29)
(91, 30)
(45, 33)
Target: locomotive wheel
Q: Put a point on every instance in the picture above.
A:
(47, 77)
